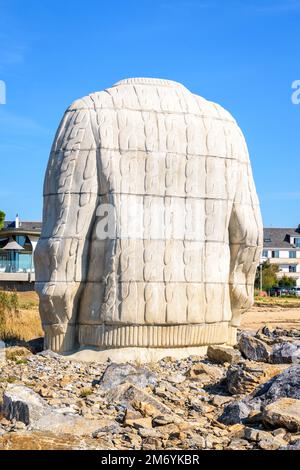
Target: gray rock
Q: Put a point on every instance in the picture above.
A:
(286, 353)
(294, 446)
(2, 352)
(235, 412)
(176, 378)
(117, 374)
(49, 353)
(23, 404)
(253, 348)
(59, 423)
(286, 384)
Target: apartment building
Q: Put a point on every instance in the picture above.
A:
(282, 247)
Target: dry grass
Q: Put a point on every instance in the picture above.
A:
(290, 302)
(20, 321)
(21, 325)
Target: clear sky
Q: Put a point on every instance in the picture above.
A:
(243, 54)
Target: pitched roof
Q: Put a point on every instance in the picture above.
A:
(279, 237)
(24, 226)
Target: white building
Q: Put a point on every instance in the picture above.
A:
(282, 247)
(18, 240)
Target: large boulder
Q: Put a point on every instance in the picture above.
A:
(253, 348)
(117, 374)
(246, 376)
(20, 403)
(286, 353)
(222, 354)
(131, 397)
(23, 404)
(284, 385)
(283, 412)
(238, 411)
(60, 423)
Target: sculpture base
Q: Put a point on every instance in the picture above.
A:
(142, 355)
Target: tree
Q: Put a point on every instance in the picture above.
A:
(269, 276)
(2, 218)
(287, 281)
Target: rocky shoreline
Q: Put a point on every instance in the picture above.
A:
(232, 399)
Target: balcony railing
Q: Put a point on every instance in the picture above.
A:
(21, 266)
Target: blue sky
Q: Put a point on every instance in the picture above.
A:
(243, 54)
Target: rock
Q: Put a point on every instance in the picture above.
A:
(2, 352)
(20, 426)
(67, 424)
(129, 396)
(116, 374)
(238, 444)
(137, 420)
(253, 348)
(45, 392)
(176, 378)
(236, 430)
(49, 353)
(279, 432)
(151, 443)
(293, 446)
(65, 380)
(284, 385)
(197, 441)
(146, 409)
(149, 432)
(283, 412)
(23, 404)
(235, 412)
(219, 400)
(162, 420)
(269, 445)
(252, 434)
(50, 441)
(247, 376)
(291, 437)
(286, 353)
(205, 372)
(221, 354)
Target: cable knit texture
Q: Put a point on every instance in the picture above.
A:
(178, 268)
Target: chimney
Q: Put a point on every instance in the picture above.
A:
(17, 221)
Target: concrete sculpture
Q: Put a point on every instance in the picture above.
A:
(151, 227)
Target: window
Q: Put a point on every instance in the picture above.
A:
(292, 254)
(275, 254)
(267, 240)
(297, 242)
(265, 253)
(292, 269)
(21, 239)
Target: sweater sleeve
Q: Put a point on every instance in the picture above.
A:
(245, 237)
(70, 197)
